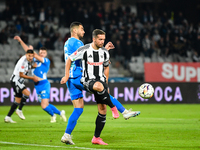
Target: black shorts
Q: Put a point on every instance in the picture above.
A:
(89, 87)
(18, 88)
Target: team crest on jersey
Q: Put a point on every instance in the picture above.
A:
(43, 92)
(22, 67)
(101, 56)
(75, 52)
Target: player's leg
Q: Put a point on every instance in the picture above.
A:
(43, 90)
(78, 103)
(13, 107)
(102, 92)
(25, 96)
(100, 122)
(126, 113)
(18, 88)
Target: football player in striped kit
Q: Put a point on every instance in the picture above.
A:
(74, 85)
(20, 73)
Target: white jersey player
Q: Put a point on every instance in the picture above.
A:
(20, 73)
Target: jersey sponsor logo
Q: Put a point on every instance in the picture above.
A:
(90, 56)
(22, 67)
(95, 63)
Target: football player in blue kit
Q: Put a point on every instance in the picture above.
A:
(43, 86)
(75, 87)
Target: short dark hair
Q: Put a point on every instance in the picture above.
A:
(74, 24)
(97, 32)
(43, 48)
(29, 51)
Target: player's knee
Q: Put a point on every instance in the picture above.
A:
(102, 109)
(44, 103)
(26, 92)
(78, 103)
(98, 86)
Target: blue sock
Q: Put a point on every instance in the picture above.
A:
(119, 106)
(73, 120)
(55, 110)
(49, 110)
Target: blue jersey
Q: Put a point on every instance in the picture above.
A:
(42, 68)
(71, 45)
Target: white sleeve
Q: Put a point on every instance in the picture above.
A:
(78, 54)
(22, 65)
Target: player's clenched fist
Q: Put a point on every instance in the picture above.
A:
(64, 80)
(109, 46)
(17, 38)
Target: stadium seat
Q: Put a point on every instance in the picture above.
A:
(132, 66)
(147, 59)
(139, 59)
(3, 24)
(59, 64)
(3, 64)
(9, 71)
(11, 65)
(160, 59)
(7, 78)
(57, 59)
(2, 78)
(2, 71)
(133, 59)
(168, 59)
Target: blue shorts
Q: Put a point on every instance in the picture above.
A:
(43, 89)
(75, 87)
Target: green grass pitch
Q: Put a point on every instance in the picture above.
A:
(158, 127)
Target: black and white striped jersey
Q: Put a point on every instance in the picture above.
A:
(93, 62)
(23, 65)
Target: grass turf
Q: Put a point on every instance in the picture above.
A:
(158, 127)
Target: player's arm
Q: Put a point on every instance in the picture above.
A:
(38, 57)
(34, 65)
(109, 46)
(78, 54)
(22, 75)
(106, 66)
(25, 47)
(67, 68)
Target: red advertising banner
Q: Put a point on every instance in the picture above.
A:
(172, 72)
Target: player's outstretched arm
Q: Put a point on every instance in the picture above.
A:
(34, 65)
(25, 47)
(67, 68)
(34, 78)
(109, 46)
(38, 57)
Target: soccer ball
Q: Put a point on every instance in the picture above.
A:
(146, 90)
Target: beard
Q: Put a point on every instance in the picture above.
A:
(80, 36)
(99, 46)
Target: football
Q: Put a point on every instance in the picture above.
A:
(146, 91)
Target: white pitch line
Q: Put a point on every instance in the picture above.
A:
(167, 118)
(67, 147)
